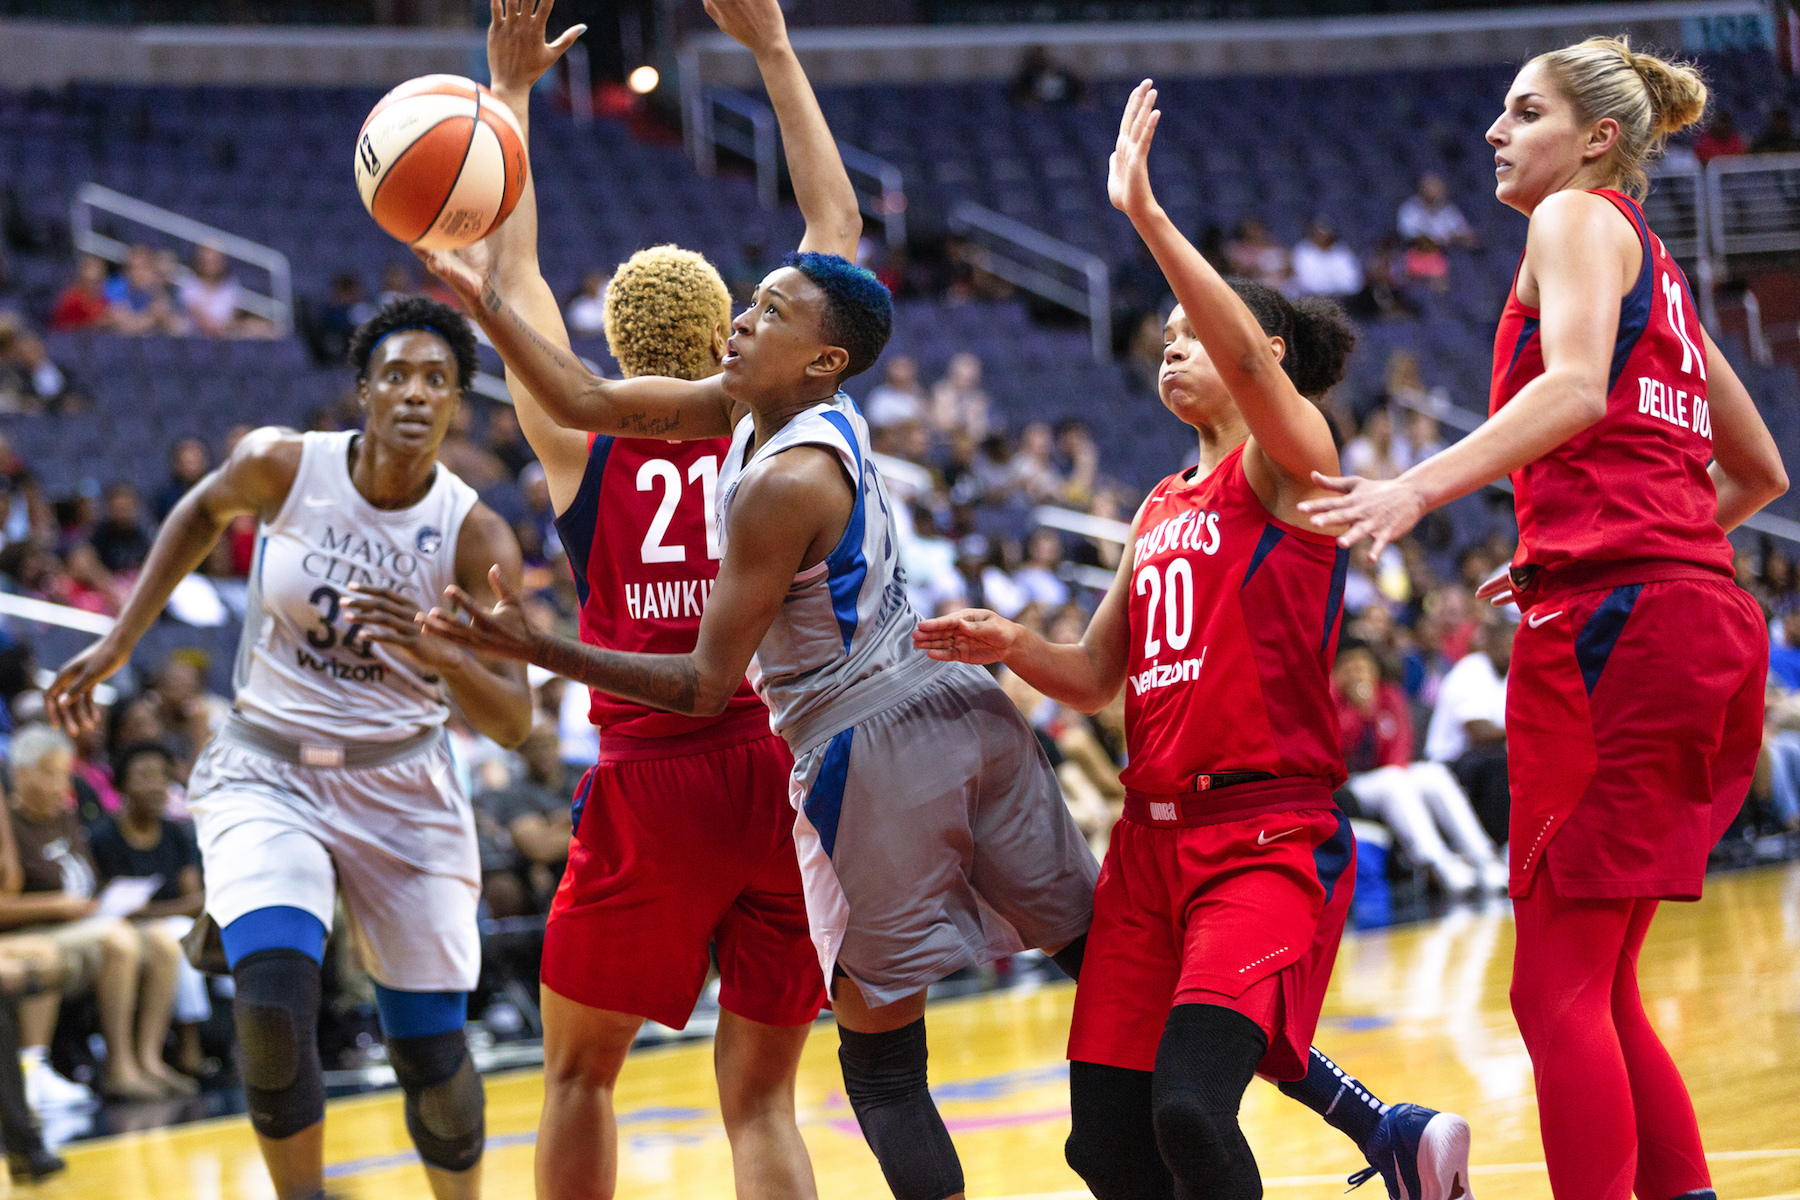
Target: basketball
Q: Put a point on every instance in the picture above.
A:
(440, 162)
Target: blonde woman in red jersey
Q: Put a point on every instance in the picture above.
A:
(1634, 708)
(1227, 882)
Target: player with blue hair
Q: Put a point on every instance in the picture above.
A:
(915, 865)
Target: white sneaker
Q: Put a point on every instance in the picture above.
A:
(1457, 876)
(45, 1090)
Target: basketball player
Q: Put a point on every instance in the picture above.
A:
(333, 770)
(683, 834)
(1634, 705)
(1228, 879)
(913, 869)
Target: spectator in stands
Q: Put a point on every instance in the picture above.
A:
(1429, 213)
(1784, 652)
(211, 299)
(899, 398)
(141, 841)
(1414, 799)
(958, 401)
(119, 539)
(397, 282)
(1427, 264)
(1040, 82)
(190, 713)
(345, 307)
(1778, 136)
(475, 464)
(536, 526)
(49, 876)
(1033, 465)
(1467, 732)
(83, 304)
(1038, 577)
(1253, 254)
(506, 441)
(1323, 264)
(932, 580)
(1371, 453)
(139, 296)
(1076, 446)
(1144, 353)
(534, 813)
(30, 380)
(189, 461)
(587, 308)
(1420, 441)
(1721, 139)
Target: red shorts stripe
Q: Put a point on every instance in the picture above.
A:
(1246, 915)
(675, 855)
(1633, 720)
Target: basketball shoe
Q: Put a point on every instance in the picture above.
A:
(1420, 1153)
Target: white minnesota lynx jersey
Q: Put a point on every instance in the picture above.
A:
(303, 669)
(841, 647)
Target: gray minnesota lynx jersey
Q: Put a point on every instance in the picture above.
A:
(303, 669)
(841, 647)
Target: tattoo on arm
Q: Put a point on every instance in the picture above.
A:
(651, 425)
(492, 301)
(670, 682)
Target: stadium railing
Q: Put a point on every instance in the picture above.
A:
(1753, 204)
(277, 306)
(1033, 260)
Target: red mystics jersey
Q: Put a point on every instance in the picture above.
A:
(1633, 485)
(1234, 625)
(644, 549)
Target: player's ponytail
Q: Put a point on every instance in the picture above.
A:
(1317, 333)
(1649, 97)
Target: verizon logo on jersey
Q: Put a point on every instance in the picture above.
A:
(667, 600)
(1167, 674)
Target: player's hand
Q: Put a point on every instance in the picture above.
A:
(388, 617)
(972, 635)
(757, 24)
(517, 53)
(1497, 589)
(69, 702)
(465, 270)
(1385, 510)
(1128, 170)
(501, 632)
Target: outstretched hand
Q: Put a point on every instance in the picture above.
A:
(465, 270)
(1497, 589)
(971, 635)
(757, 24)
(1385, 509)
(1128, 170)
(501, 632)
(69, 700)
(517, 52)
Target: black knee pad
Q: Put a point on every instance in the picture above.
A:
(1206, 1059)
(445, 1107)
(277, 1018)
(1112, 1142)
(885, 1080)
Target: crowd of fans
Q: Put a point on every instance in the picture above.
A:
(155, 293)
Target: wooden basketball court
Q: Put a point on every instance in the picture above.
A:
(1419, 1013)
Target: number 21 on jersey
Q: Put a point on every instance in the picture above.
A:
(661, 473)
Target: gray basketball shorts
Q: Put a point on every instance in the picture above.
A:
(933, 836)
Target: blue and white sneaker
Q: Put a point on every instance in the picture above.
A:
(1420, 1153)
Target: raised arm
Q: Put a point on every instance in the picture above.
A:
(1575, 252)
(255, 479)
(787, 514)
(821, 185)
(517, 56)
(1746, 468)
(1085, 676)
(1289, 430)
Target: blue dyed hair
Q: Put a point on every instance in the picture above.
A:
(859, 313)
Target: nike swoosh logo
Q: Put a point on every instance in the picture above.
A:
(1534, 620)
(1263, 838)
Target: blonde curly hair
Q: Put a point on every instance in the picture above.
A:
(1649, 97)
(665, 310)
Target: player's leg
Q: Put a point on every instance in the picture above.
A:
(883, 1055)
(1205, 1062)
(757, 1066)
(1671, 1160)
(445, 1104)
(1567, 958)
(577, 1155)
(1112, 1134)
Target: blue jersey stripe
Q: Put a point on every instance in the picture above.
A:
(576, 524)
(847, 565)
(1271, 537)
(1333, 856)
(825, 801)
(1594, 644)
(1334, 603)
(1634, 310)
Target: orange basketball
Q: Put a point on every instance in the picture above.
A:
(440, 162)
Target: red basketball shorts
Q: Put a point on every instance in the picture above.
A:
(1245, 915)
(673, 854)
(1633, 720)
